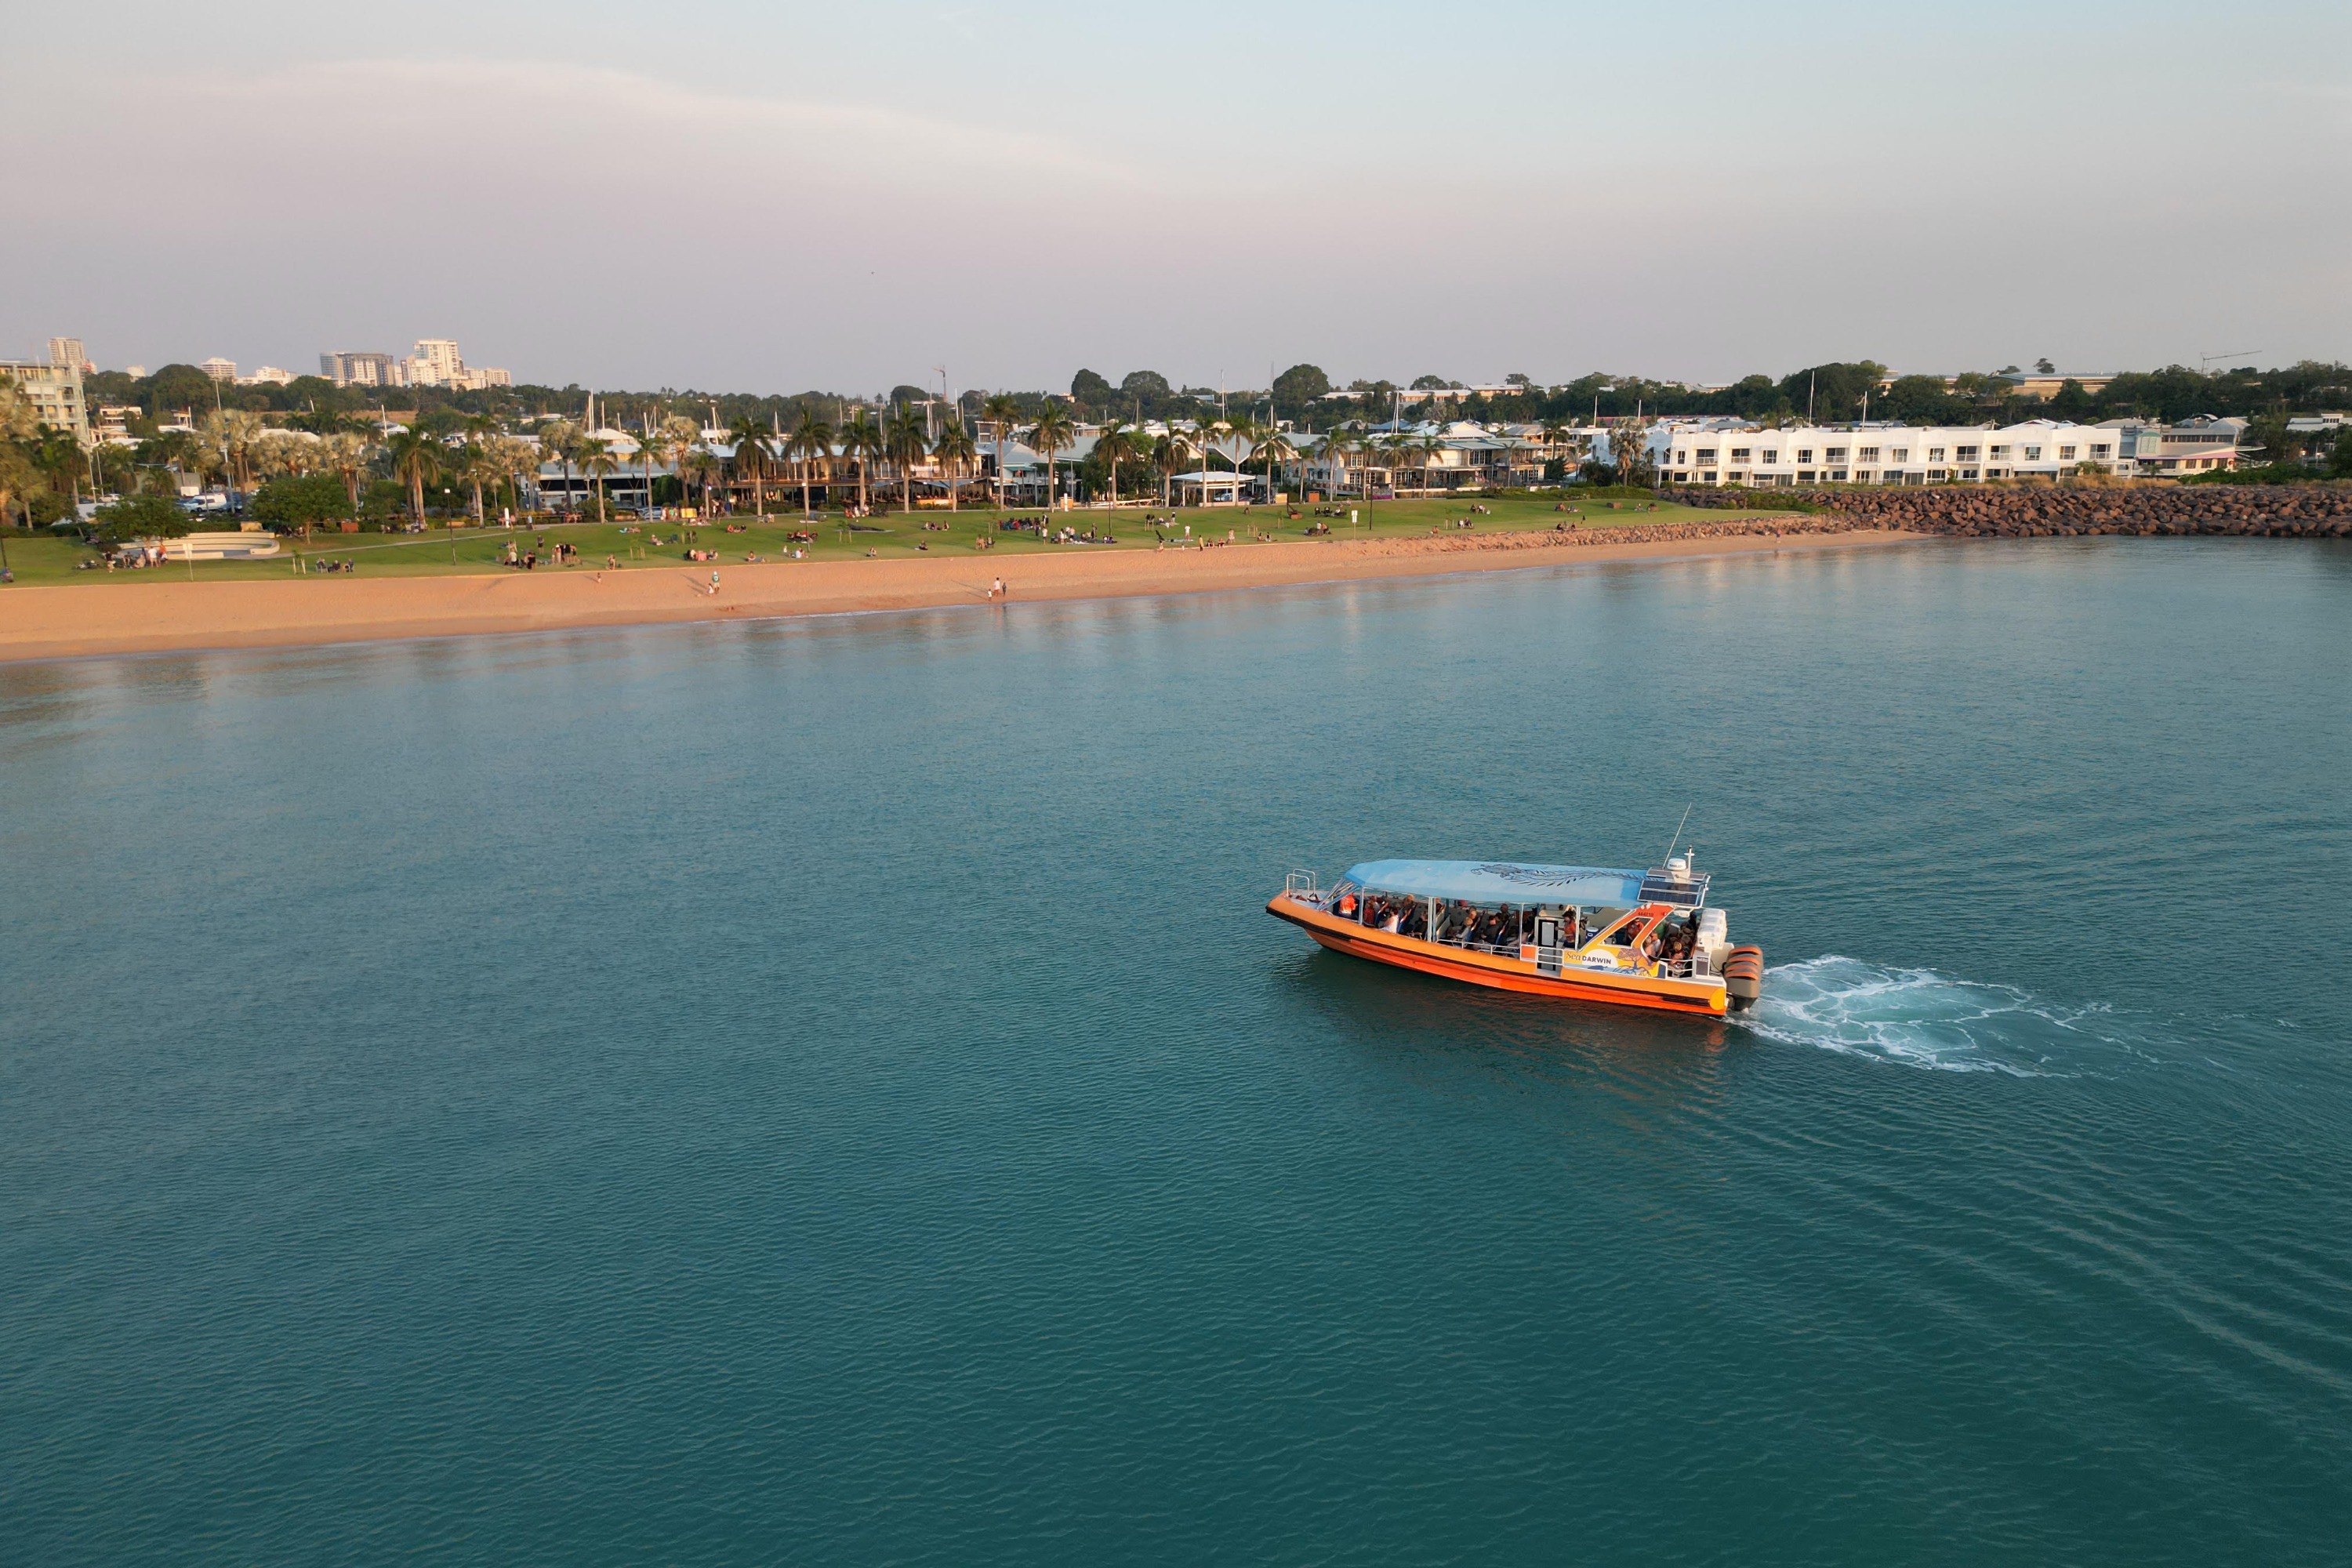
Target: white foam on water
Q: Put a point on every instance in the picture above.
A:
(1916, 1017)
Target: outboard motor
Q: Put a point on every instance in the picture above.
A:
(1743, 978)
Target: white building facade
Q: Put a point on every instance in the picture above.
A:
(54, 392)
(1732, 452)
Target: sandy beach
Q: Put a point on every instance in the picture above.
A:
(158, 616)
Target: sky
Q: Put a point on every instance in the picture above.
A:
(777, 197)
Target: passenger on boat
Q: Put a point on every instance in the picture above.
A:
(1348, 907)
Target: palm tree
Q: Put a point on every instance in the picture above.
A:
(956, 451)
(516, 456)
(1050, 434)
(17, 420)
(230, 434)
(560, 438)
(1168, 455)
(648, 453)
(1335, 449)
(751, 458)
(59, 455)
(1272, 447)
(1202, 440)
(1117, 444)
(672, 438)
(861, 443)
(1629, 453)
(810, 439)
(702, 466)
(176, 451)
(416, 462)
(1002, 410)
(1431, 444)
(17, 425)
(481, 463)
(596, 458)
(908, 442)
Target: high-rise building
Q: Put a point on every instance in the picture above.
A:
(435, 363)
(219, 369)
(358, 369)
(68, 351)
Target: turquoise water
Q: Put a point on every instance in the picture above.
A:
(829, 1093)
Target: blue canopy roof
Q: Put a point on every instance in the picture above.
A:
(1502, 882)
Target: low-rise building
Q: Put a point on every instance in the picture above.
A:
(2194, 445)
(1731, 452)
(111, 423)
(1430, 458)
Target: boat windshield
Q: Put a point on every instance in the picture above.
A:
(1597, 921)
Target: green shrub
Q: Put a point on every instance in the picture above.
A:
(383, 499)
(297, 501)
(143, 516)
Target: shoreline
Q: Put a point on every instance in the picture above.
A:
(82, 621)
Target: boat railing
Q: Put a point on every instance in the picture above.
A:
(1499, 948)
(1302, 885)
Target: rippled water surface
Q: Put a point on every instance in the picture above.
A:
(829, 1093)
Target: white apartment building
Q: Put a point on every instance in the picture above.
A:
(435, 362)
(348, 367)
(55, 392)
(70, 351)
(1733, 452)
(219, 369)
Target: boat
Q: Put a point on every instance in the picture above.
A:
(1583, 933)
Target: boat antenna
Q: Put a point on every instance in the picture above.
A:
(1678, 832)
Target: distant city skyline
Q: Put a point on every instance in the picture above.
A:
(847, 199)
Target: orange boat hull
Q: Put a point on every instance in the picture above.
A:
(1660, 993)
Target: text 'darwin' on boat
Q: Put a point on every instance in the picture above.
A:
(1638, 939)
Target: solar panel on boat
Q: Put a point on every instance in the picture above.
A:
(1661, 888)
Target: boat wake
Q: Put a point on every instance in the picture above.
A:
(1920, 1018)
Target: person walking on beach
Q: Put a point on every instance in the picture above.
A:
(714, 584)
(996, 589)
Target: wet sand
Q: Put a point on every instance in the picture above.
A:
(161, 616)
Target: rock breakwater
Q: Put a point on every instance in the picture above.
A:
(2296, 511)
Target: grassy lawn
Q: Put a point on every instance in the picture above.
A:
(890, 535)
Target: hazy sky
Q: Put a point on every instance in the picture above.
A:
(774, 197)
